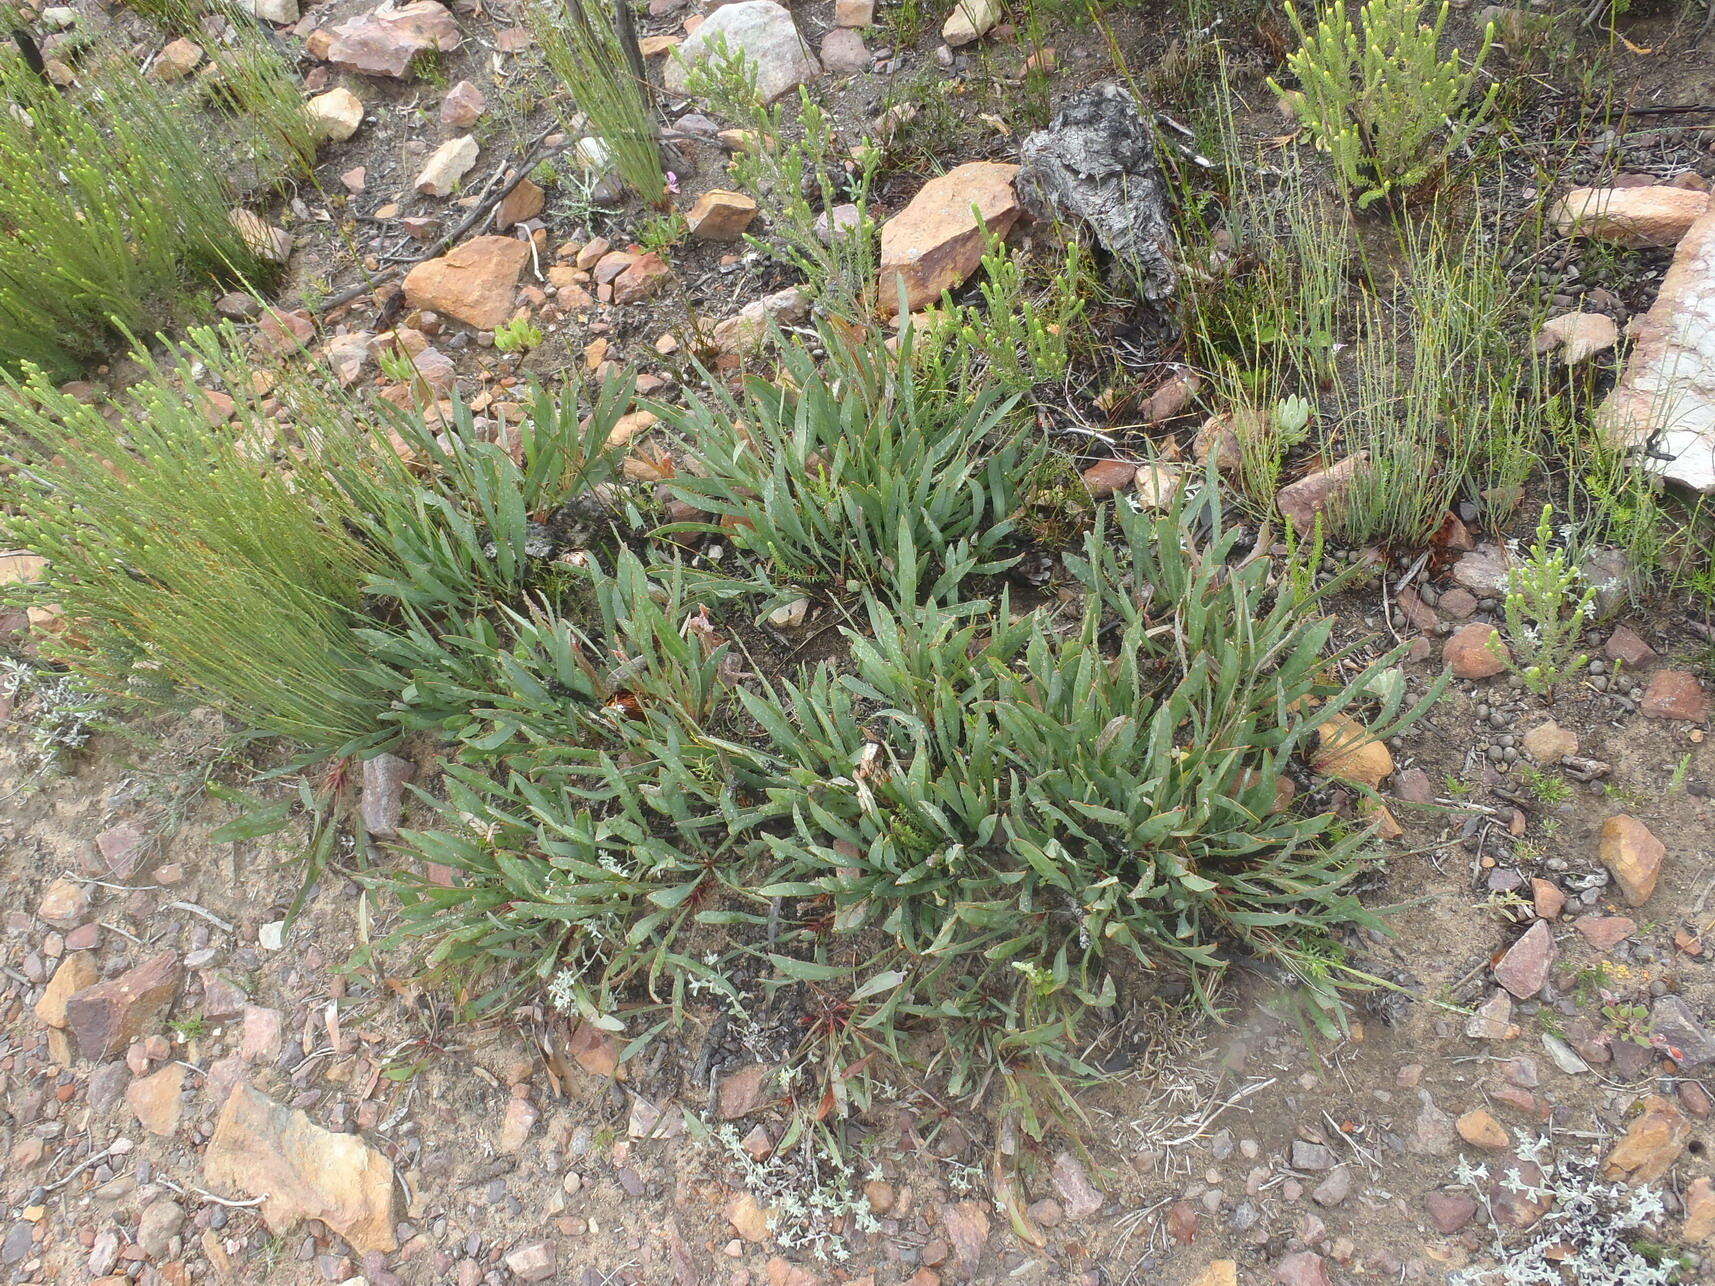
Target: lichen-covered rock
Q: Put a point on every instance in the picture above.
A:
(1095, 164)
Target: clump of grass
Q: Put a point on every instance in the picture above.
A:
(114, 205)
(250, 564)
(862, 475)
(1383, 103)
(1004, 817)
(1275, 301)
(1438, 400)
(267, 124)
(175, 551)
(587, 53)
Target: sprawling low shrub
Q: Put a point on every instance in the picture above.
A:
(982, 830)
(859, 476)
(1005, 816)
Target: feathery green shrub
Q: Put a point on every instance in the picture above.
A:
(1382, 102)
(113, 205)
(585, 54)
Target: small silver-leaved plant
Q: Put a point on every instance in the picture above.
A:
(813, 1196)
(63, 712)
(1589, 1234)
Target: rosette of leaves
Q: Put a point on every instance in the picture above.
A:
(999, 818)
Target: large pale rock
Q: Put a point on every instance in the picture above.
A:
(1675, 694)
(525, 201)
(1525, 967)
(263, 1148)
(1650, 1144)
(1345, 749)
(1479, 1128)
(107, 1017)
(1688, 1041)
(1578, 336)
(1664, 404)
(934, 243)
(76, 972)
(720, 215)
(335, 115)
(748, 329)
(970, 21)
(384, 41)
(473, 283)
(155, 1099)
(451, 161)
(280, 11)
(760, 30)
(1648, 216)
(20, 567)
(383, 797)
(1475, 651)
(463, 106)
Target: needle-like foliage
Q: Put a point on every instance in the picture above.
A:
(586, 52)
(113, 204)
(179, 549)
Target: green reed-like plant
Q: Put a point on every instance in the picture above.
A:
(1439, 400)
(114, 205)
(585, 51)
(181, 551)
(248, 562)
